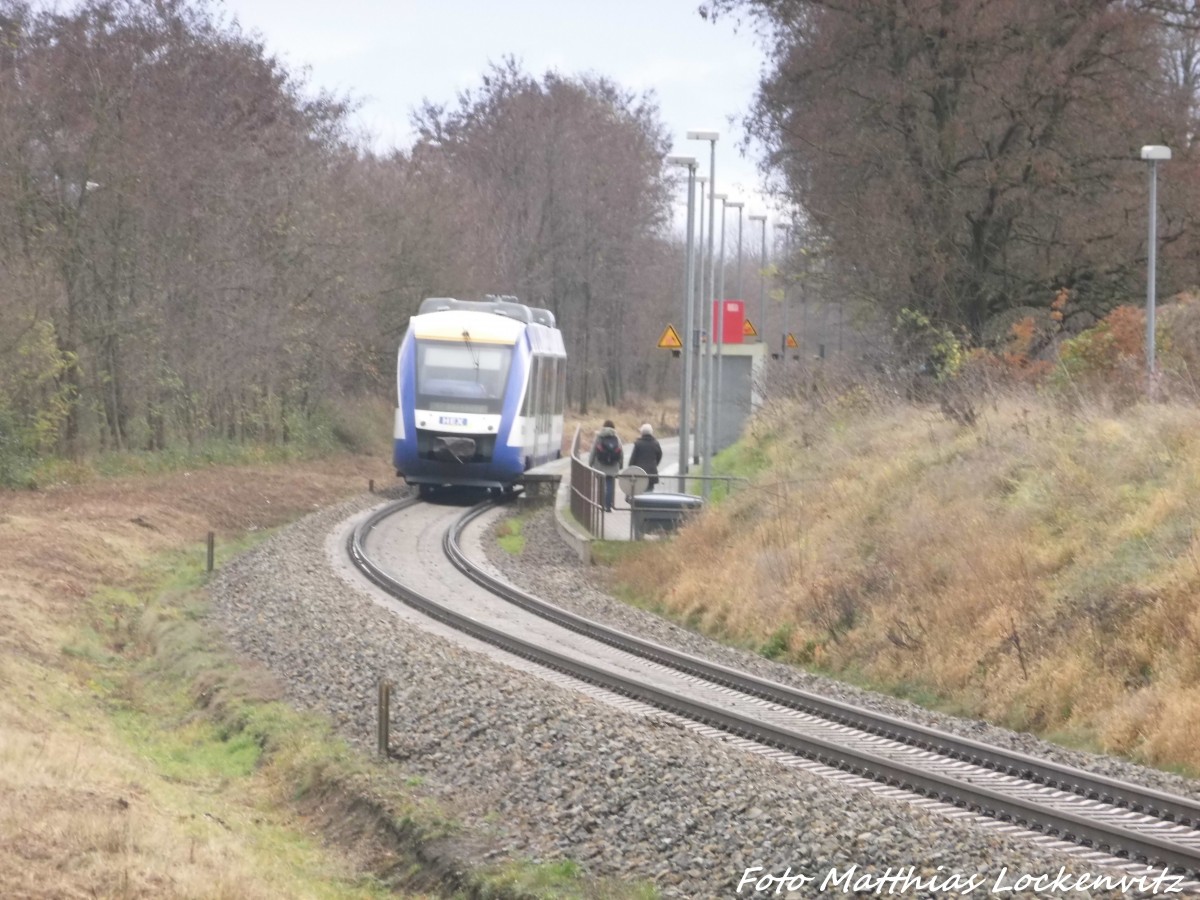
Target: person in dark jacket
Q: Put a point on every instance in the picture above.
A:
(610, 467)
(647, 454)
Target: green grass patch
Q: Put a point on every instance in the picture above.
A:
(745, 459)
(610, 553)
(561, 880)
(196, 751)
(777, 644)
(510, 534)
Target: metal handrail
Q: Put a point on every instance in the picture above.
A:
(587, 487)
(587, 490)
(704, 483)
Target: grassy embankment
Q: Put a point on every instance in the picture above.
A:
(138, 758)
(1039, 569)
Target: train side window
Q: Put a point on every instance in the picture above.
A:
(537, 397)
(562, 385)
(544, 396)
(527, 403)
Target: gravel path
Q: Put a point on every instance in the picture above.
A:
(543, 773)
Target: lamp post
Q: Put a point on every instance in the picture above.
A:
(689, 291)
(739, 256)
(762, 279)
(707, 298)
(1152, 153)
(734, 204)
(718, 308)
(697, 324)
(785, 228)
(728, 204)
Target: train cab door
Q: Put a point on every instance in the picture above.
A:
(545, 399)
(531, 437)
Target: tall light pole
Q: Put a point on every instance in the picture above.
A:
(739, 256)
(707, 298)
(727, 204)
(698, 419)
(733, 204)
(785, 228)
(718, 310)
(689, 292)
(1152, 153)
(762, 279)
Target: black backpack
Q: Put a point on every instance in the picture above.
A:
(608, 449)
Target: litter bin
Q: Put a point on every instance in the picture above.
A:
(661, 511)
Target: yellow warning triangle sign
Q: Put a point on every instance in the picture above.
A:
(791, 341)
(748, 329)
(670, 339)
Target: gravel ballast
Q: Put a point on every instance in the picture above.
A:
(544, 773)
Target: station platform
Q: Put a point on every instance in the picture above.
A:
(617, 525)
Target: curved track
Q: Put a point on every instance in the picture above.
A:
(1115, 818)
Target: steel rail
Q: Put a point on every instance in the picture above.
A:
(1068, 826)
(1110, 791)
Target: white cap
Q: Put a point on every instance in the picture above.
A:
(646, 429)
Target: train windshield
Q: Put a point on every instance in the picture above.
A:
(462, 377)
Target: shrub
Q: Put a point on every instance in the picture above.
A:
(1014, 360)
(1103, 349)
(34, 401)
(1109, 356)
(16, 453)
(942, 352)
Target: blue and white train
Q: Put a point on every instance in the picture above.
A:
(481, 388)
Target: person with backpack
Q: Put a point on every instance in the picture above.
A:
(647, 454)
(608, 457)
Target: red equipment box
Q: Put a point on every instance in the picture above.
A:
(729, 331)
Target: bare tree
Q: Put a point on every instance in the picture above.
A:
(566, 202)
(967, 158)
(192, 247)
(170, 174)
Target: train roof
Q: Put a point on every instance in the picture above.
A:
(497, 304)
(451, 324)
(484, 328)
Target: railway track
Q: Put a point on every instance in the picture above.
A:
(1111, 818)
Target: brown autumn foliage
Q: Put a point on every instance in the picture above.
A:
(966, 159)
(1037, 566)
(194, 247)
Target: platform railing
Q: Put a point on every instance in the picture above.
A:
(711, 487)
(587, 490)
(587, 487)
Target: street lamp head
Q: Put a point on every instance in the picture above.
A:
(1155, 152)
(720, 197)
(703, 135)
(734, 204)
(753, 217)
(689, 161)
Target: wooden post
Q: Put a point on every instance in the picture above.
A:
(383, 723)
(211, 548)
(371, 486)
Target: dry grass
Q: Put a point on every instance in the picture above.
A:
(138, 760)
(83, 812)
(1039, 569)
(628, 420)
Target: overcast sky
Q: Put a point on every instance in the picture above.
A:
(392, 54)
